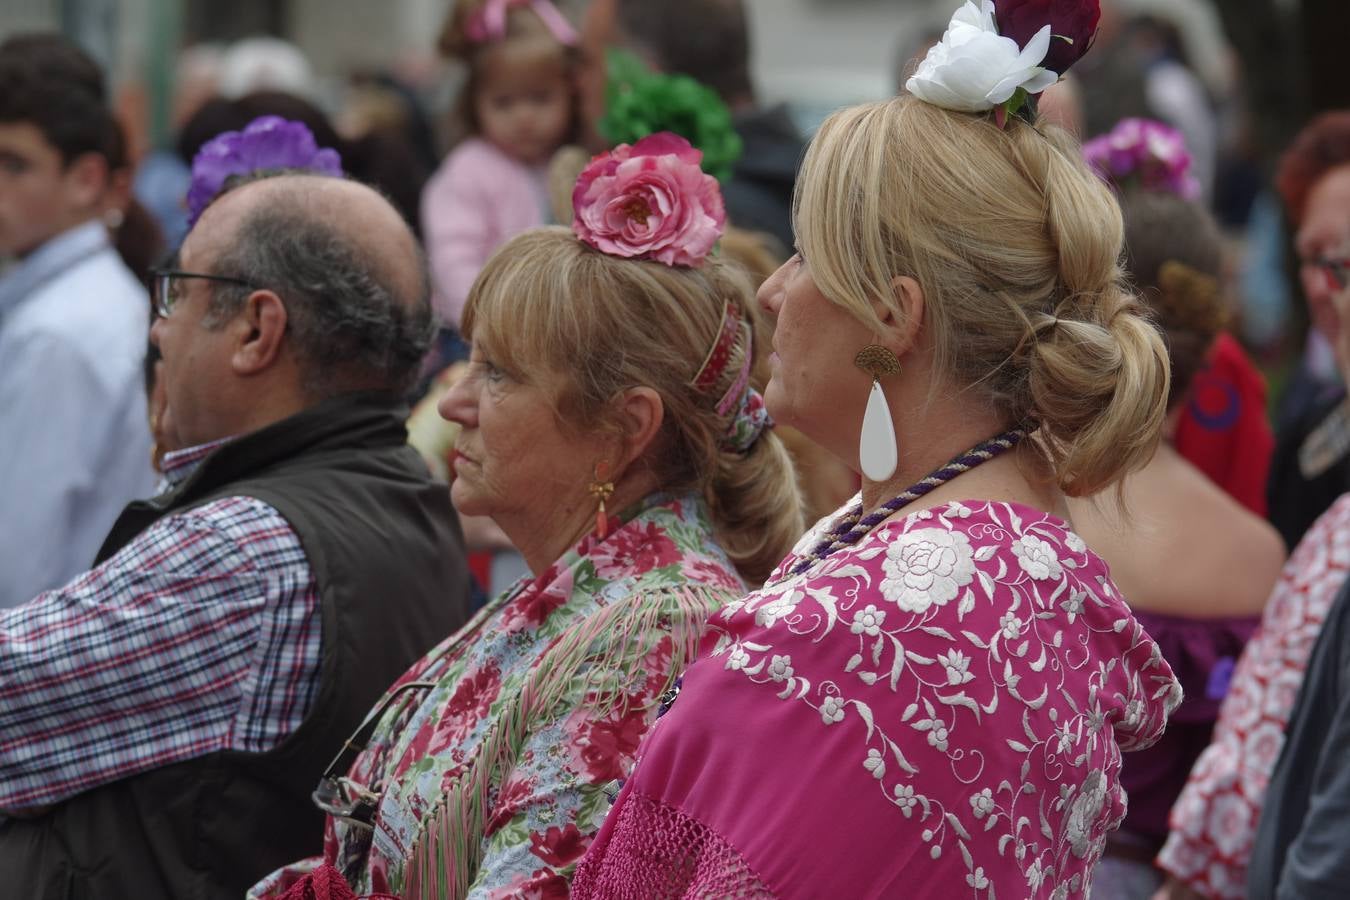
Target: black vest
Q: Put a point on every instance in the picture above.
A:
(388, 559)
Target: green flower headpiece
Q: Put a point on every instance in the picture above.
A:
(639, 102)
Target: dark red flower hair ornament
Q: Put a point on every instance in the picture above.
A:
(1073, 27)
(999, 54)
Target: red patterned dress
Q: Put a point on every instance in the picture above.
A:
(1214, 820)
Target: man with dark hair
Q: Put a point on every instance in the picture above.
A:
(165, 716)
(709, 41)
(73, 322)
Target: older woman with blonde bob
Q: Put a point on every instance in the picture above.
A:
(609, 428)
(931, 694)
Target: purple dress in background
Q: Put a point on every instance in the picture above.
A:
(1202, 653)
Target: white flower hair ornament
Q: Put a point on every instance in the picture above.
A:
(978, 66)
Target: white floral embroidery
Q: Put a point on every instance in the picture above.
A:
(990, 662)
(1073, 605)
(1085, 812)
(1037, 557)
(1134, 713)
(1064, 736)
(868, 621)
(927, 567)
(1074, 542)
(905, 799)
(957, 665)
(780, 668)
(875, 764)
(1035, 875)
(776, 609)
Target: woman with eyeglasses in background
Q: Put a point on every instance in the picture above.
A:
(1214, 821)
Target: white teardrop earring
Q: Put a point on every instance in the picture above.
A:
(877, 450)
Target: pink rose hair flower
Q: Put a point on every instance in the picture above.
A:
(650, 200)
(1146, 150)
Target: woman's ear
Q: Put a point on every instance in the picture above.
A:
(902, 322)
(642, 412)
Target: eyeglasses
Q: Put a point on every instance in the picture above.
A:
(1335, 270)
(339, 796)
(164, 279)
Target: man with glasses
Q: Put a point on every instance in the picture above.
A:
(74, 446)
(165, 717)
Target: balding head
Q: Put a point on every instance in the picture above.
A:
(345, 264)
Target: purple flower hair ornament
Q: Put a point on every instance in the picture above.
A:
(1151, 152)
(268, 142)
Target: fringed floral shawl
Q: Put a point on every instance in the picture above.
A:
(492, 781)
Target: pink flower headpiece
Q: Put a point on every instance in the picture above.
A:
(1150, 151)
(650, 200)
(488, 24)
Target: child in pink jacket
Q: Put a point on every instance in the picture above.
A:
(519, 106)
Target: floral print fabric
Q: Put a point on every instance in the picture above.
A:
(540, 702)
(1214, 820)
(942, 706)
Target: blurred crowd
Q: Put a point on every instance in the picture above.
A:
(217, 549)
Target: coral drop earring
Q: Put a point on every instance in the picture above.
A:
(602, 489)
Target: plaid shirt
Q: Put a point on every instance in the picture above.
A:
(202, 634)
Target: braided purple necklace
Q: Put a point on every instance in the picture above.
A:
(853, 526)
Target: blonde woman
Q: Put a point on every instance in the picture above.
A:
(931, 695)
(608, 426)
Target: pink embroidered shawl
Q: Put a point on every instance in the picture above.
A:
(937, 711)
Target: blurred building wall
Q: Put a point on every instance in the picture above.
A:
(28, 15)
(819, 54)
(846, 51)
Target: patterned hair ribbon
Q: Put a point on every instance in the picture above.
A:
(715, 363)
(750, 421)
(489, 23)
(750, 417)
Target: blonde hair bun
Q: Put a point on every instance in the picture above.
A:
(1016, 245)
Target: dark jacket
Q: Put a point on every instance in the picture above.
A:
(1294, 502)
(388, 561)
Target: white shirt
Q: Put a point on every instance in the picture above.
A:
(74, 441)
